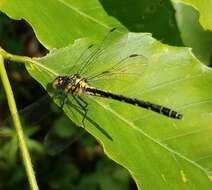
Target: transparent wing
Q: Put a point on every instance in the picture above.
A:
(55, 142)
(30, 116)
(96, 52)
(76, 111)
(112, 59)
(90, 53)
(34, 115)
(65, 132)
(128, 66)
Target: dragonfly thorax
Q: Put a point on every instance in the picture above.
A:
(74, 84)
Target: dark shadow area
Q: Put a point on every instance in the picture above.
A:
(156, 17)
(210, 65)
(16, 36)
(72, 106)
(77, 109)
(81, 164)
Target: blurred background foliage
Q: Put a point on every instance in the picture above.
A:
(82, 165)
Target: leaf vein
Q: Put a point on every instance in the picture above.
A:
(83, 14)
(150, 138)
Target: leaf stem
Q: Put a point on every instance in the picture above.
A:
(16, 120)
(16, 58)
(24, 60)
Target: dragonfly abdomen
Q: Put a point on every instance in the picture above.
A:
(136, 102)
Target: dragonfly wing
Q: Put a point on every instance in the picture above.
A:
(64, 132)
(56, 143)
(32, 114)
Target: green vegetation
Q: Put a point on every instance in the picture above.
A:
(157, 151)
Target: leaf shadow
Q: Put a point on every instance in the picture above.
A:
(91, 121)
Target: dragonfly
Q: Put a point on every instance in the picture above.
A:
(78, 85)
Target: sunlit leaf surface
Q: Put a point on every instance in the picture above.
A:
(193, 34)
(158, 151)
(204, 8)
(58, 23)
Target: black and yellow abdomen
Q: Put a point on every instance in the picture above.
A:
(77, 86)
(136, 102)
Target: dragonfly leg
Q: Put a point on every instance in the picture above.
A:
(63, 100)
(83, 104)
(62, 96)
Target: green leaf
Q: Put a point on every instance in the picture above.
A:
(69, 20)
(204, 8)
(158, 151)
(58, 23)
(193, 35)
(156, 17)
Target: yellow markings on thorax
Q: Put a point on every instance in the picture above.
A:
(82, 83)
(79, 86)
(68, 88)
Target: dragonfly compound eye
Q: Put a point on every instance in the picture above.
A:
(58, 83)
(55, 83)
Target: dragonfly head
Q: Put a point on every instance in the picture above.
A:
(61, 82)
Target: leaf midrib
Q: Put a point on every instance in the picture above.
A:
(149, 137)
(83, 14)
(135, 127)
